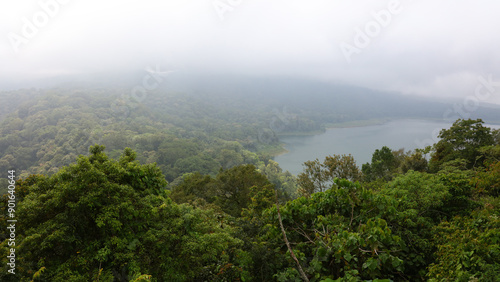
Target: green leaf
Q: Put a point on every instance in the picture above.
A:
(348, 257)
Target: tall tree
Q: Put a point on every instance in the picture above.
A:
(317, 177)
(382, 166)
(341, 166)
(312, 179)
(233, 187)
(496, 136)
(462, 141)
(106, 220)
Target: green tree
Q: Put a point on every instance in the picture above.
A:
(460, 183)
(106, 220)
(194, 186)
(284, 182)
(341, 166)
(421, 200)
(382, 166)
(234, 185)
(468, 248)
(414, 160)
(313, 179)
(317, 177)
(462, 141)
(496, 135)
(487, 182)
(338, 233)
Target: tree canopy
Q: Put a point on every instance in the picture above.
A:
(105, 220)
(184, 188)
(462, 141)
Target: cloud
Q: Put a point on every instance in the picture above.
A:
(433, 48)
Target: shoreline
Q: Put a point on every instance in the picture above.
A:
(380, 121)
(282, 152)
(350, 124)
(358, 123)
(275, 150)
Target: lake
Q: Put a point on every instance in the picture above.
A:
(360, 142)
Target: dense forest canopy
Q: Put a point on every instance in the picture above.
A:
(231, 140)
(182, 187)
(203, 129)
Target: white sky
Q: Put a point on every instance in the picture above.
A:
(427, 47)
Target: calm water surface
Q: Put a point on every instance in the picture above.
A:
(360, 142)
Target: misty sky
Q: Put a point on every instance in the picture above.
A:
(414, 47)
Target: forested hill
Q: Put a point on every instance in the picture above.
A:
(324, 103)
(399, 218)
(187, 135)
(188, 124)
(180, 186)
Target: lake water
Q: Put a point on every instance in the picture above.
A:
(360, 142)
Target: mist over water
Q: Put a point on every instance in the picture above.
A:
(360, 142)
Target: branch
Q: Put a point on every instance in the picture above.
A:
(352, 215)
(303, 233)
(304, 277)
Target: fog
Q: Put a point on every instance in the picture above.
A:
(426, 48)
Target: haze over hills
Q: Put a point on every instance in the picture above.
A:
(229, 140)
(326, 103)
(253, 111)
(195, 156)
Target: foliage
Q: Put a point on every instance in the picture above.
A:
(468, 248)
(107, 217)
(234, 186)
(386, 164)
(113, 220)
(179, 134)
(488, 181)
(339, 233)
(382, 166)
(230, 190)
(284, 182)
(194, 186)
(317, 177)
(460, 186)
(415, 161)
(496, 136)
(462, 141)
(313, 179)
(420, 192)
(420, 202)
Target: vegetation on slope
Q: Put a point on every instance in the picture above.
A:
(165, 198)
